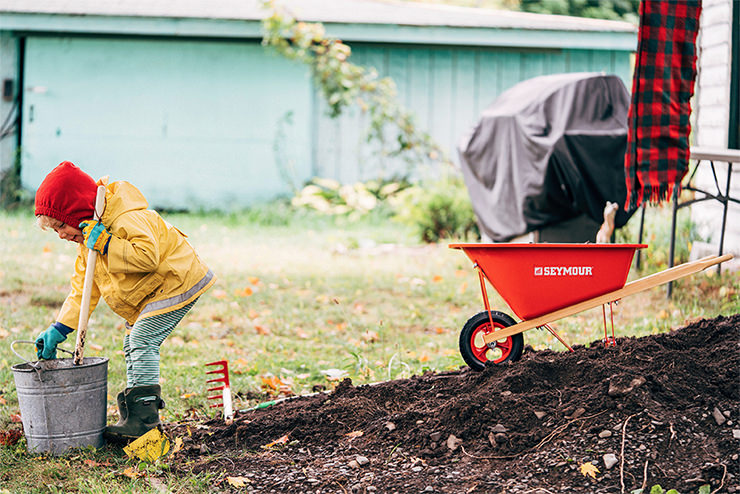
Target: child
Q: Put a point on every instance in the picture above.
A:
(145, 271)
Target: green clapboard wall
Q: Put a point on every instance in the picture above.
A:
(191, 123)
(208, 123)
(446, 88)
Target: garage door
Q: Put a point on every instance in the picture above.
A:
(194, 124)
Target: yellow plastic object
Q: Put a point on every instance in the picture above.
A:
(149, 447)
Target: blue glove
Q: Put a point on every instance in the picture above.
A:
(95, 236)
(47, 341)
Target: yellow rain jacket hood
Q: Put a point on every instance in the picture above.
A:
(149, 269)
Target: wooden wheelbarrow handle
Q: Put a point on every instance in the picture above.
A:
(92, 257)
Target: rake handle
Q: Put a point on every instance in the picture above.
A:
(92, 257)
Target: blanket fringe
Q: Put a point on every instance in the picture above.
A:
(654, 195)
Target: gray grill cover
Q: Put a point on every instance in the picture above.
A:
(548, 149)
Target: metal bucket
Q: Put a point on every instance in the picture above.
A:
(62, 405)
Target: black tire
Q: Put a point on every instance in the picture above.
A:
(474, 351)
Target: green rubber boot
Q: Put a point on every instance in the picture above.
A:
(122, 410)
(142, 404)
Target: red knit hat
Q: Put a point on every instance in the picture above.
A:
(67, 194)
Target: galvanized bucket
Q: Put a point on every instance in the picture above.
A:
(62, 405)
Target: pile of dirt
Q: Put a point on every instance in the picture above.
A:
(661, 409)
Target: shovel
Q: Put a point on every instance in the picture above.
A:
(92, 256)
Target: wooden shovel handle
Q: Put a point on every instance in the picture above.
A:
(92, 257)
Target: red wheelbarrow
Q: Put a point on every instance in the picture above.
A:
(543, 283)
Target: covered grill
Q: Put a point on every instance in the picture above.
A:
(548, 151)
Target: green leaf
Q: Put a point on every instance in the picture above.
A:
(343, 84)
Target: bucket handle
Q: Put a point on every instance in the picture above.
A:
(35, 366)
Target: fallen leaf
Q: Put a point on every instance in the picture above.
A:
(93, 463)
(272, 382)
(238, 481)
(246, 292)
(9, 438)
(589, 470)
(424, 358)
(16, 417)
(276, 442)
(261, 330)
(187, 395)
(148, 447)
(95, 347)
(178, 445)
(354, 434)
(133, 473)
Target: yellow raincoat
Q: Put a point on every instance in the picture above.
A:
(149, 269)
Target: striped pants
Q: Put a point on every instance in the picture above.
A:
(141, 345)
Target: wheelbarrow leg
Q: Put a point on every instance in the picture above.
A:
(483, 292)
(607, 340)
(556, 335)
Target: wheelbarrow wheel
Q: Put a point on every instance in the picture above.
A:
(473, 348)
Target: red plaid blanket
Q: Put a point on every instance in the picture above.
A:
(657, 155)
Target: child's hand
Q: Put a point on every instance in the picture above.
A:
(95, 236)
(47, 341)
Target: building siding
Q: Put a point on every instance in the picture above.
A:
(711, 127)
(192, 123)
(446, 88)
(162, 99)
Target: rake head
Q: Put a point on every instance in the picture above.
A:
(225, 391)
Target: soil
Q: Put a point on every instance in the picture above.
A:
(661, 409)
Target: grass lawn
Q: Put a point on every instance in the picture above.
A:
(301, 300)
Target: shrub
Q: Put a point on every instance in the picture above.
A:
(331, 197)
(12, 194)
(438, 209)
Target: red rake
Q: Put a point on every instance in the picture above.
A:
(225, 395)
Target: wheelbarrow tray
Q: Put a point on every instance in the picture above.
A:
(631, 288)
(535, 279)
